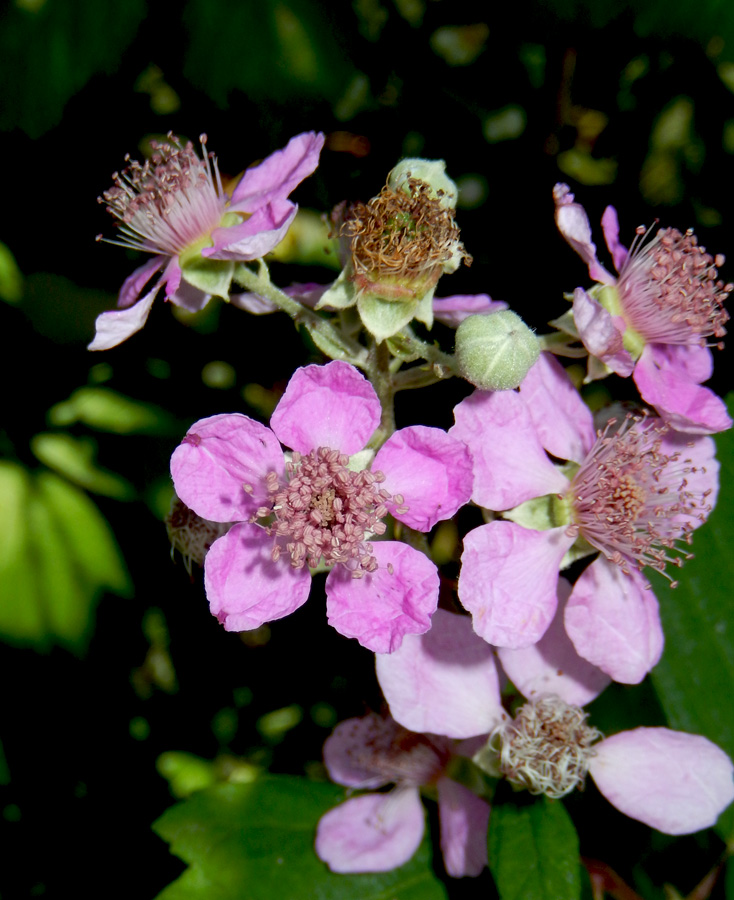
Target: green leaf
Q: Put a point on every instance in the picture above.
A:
(256, 841)
(695, 678)
(534, 851)
(74, 458)
(11, 281)
(106, 410)
(57, 554)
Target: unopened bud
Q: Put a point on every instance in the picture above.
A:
(495, 352)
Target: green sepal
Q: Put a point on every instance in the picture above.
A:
(424, 312)
(383, 318)
(341, 295)
(212, 276)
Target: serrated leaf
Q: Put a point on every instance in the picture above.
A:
(534, 851)
(257, 841)
(695, 677)
(106, 410)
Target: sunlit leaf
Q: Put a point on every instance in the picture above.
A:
(106, 410)
(11, 281)
(257, 841)
(74, 459)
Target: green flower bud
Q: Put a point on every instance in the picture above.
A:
(494, 352)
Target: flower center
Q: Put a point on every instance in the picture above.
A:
(168, 203)
(324, 511)
(670, 291)
(632, 501)
(546, 748)
(401, 240)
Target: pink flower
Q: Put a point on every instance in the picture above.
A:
(635, 493)
(316, 507)
(654, 319)
(378, 832)
(174, 206)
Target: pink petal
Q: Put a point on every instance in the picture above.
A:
(510, 464)
(676, 782)
(371, 833)
(552, 666)
(258, 235)
(430, 469)
(562, 420)
(685, 405)
(697, 464)
(190, 298)
(380, 608)
(444, 681)
(356, 750)
(453, 310)
(133, 285)
(509, 579)
(118, 325)
(327, 406)
(573, 223)
(245, 588)
(690, 361)
(610, 227)
(279, 174)
(613, 621)
(217, 458)
(600, 334)
(464, 819)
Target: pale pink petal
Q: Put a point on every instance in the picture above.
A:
(279, 174)
(698, 466)
(464, 819)
(562, 420)
(327, 406)
(189, 297)
(573, 223)
(453, 310)
(610, 227)
(685, 405)
(690, 361)
(599, 332)
(217, 458)
(371, 833)
(172, 276)
(245, 588)
(614, 622)
(356, 751)
(256, 236)
(509, 579)
(444, 681)
(552, 666)
(380, 608)
(510, 464)
(430, 469)
(133, 285)
(118, 325)
(676, 782)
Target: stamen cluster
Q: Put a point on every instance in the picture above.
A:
(546, 748)
(403, 237)
(670, 291)
(190, 534)
(169, 202)
(632, 501)
(325, 511)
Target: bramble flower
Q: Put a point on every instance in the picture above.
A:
(175, 207)
(320, 506)
(379, 832)
(635, 492)
(655, 319)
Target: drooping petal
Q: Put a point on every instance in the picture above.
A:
(189, 297)
(430, 469)
(380, 608)
(245, 588)
(510, 464)
(371, 833)
(573, 223)
(682, 403)
(562, 420)
(453, 310)
(464, 819)
(676, 782)
(613, 621)
(217, 458)
(552, 666)
(444, 681)
(133, 285)
(599, 333)
(356, 750)
(279, 174)
(327, 406)
(508, 581)
(610, 227)
(256, 236)
(118, 325)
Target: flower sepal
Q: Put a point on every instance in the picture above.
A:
(212, 276)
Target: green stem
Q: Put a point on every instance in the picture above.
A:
(379, 374)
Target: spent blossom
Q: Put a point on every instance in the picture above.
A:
(634, 492)
(175, 207)
(321, 505)
(377, 832)
(656, 319)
